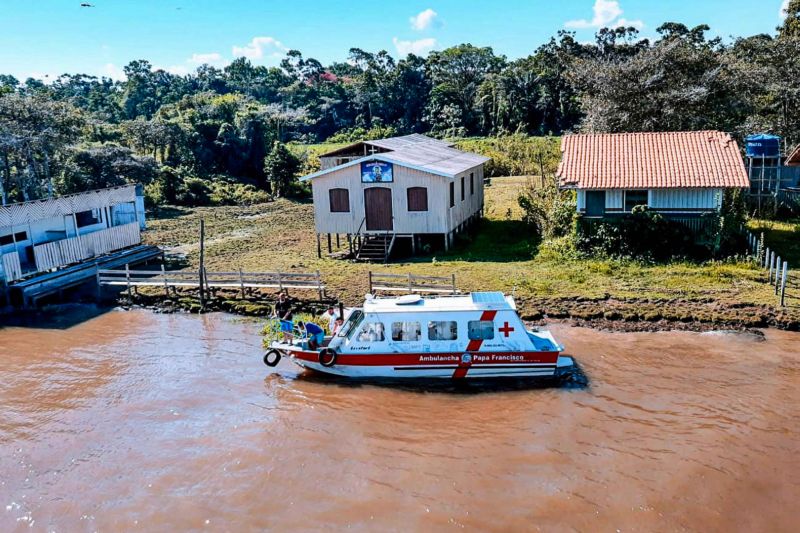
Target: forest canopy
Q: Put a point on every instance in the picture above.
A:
(224, 129)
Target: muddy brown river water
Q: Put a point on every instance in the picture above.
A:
(138, 421)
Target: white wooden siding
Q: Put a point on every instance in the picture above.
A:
(615, 200)
(685, 199)
(669, 200)
(439, 218)
(11, 267)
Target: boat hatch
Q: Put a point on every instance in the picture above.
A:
(409, 299)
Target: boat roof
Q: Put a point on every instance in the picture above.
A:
(414, 303)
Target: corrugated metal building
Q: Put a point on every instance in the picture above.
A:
(375, 192)
(43, 235)
(680, 174)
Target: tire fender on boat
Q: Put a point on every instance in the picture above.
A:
(272, 358)
(327, 357)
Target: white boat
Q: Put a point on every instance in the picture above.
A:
(479, 335)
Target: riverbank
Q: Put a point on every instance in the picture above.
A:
(546, 280)
(607, 314)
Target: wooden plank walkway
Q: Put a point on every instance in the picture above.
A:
(282, 281)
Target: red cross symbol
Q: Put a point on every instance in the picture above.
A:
(506, 329)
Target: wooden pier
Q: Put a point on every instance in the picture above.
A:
(25, 293)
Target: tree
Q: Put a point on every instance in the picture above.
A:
(280, 167)
(790, 29)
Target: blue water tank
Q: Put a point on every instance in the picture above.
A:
(763, 145)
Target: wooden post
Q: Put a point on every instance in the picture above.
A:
(319, 247)
(771, 265)
(330, 248)
(337, 242)
(370, 281)
(241, 281)
(413, 245)
(350, 243)
(202, 262)
(783, 283)
(777, 273)
(765, 262)
(128, 279)
(319, 287)
(453, 276)
(164, 275)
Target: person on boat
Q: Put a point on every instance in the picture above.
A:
(337, 325)
(283, 312)
(314, 334)
(331, 316)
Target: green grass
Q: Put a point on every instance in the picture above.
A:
(502, 256)
(783, 237)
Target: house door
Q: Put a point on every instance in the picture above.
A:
(378, 208)
(595, 203)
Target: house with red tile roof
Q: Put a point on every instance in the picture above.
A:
(680, 174)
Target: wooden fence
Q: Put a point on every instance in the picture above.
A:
(212, 280)
(411, 283)
(67, 251)
(778, 274)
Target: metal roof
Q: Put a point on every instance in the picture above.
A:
(418, 152)
(663, 160)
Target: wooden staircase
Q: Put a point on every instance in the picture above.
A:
(375, 247)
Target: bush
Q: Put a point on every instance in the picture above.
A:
(643, 234)
(548, 210)
(356, 134)
(516, 155)
(194, 193)
(223, 193)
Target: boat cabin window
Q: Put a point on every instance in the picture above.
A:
(481, 330)
(442, 331)
(406, 331)
(351, 326)
(372, 332)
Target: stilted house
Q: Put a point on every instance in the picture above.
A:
(42, 236)
(682, 175)
(412, 188)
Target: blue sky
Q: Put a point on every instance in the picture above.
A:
(50, 37)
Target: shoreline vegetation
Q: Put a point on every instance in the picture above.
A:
(548, 281)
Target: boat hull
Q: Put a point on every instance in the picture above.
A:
(437, 366)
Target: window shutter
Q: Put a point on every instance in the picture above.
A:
(339, 200)
(417, 198)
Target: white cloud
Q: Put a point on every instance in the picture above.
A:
(784, 10)
(205, 59)
(607, 14)
(624, 23)
(110, 70)
(424, 20)
(178, 70)
(260, 46)
(418, 47)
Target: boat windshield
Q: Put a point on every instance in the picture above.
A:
(351, 326)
